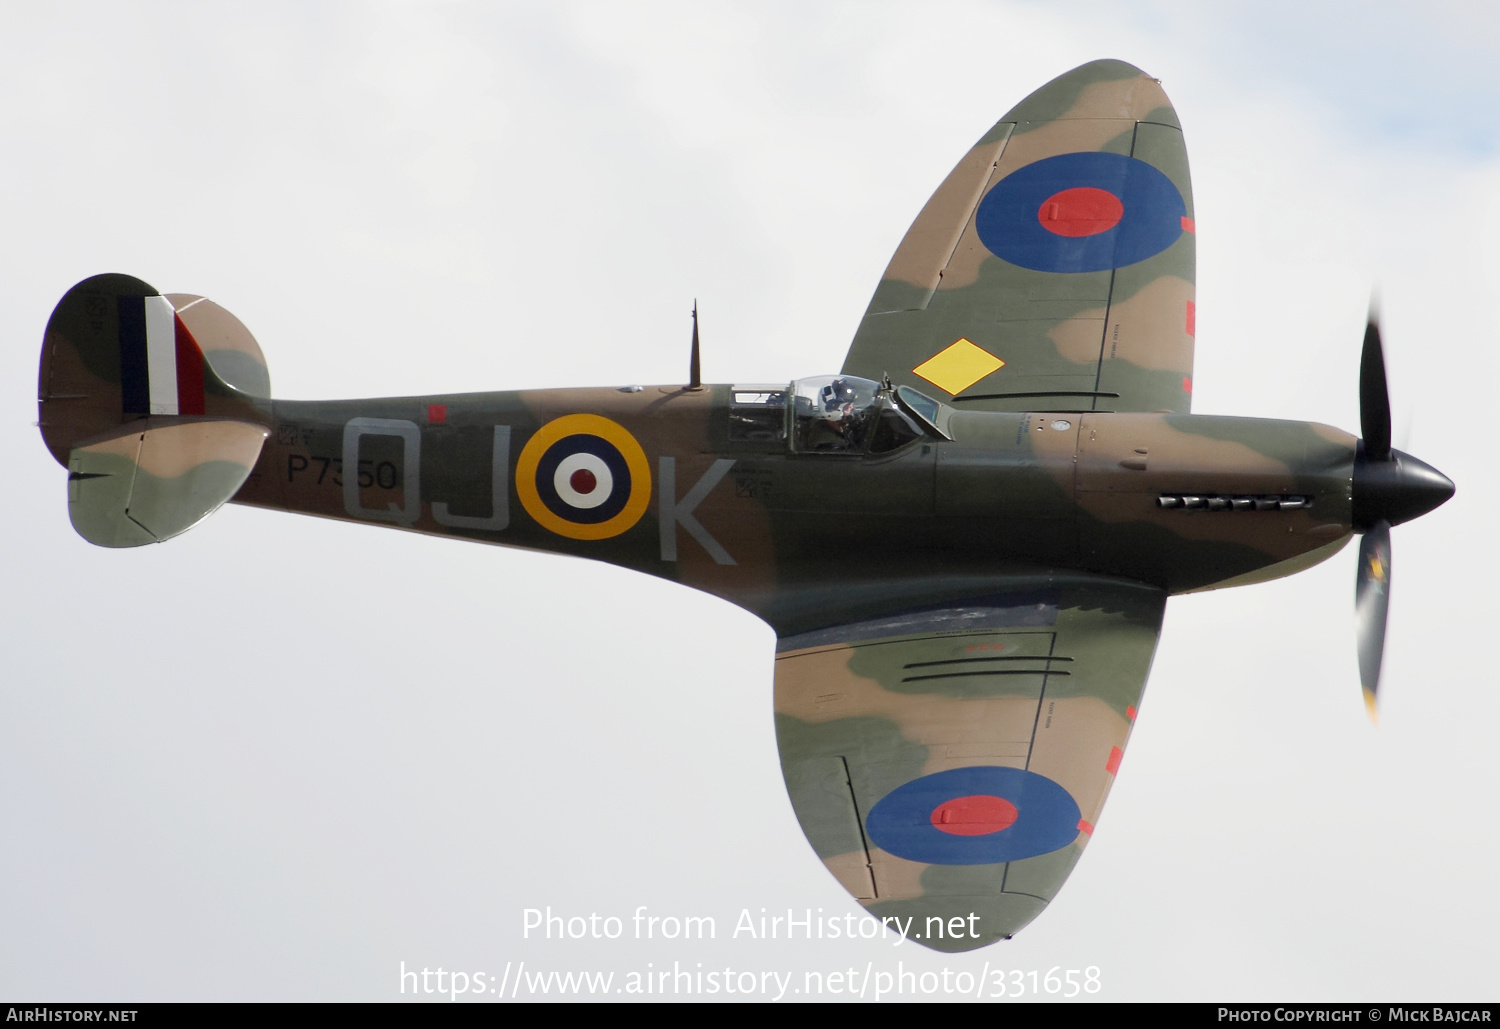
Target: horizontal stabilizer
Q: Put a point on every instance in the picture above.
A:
(157, 480)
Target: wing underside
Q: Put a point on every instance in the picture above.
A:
(953, 761)
(1054, 268)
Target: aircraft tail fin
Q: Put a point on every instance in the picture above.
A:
(154, 436)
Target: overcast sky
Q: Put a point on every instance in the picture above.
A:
(277, 757)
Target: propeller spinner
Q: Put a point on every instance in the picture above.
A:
(1389, 488)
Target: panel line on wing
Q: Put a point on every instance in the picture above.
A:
(1103, 337)
(1095, 394)
(1036, 720)
(864, 841)
(958, 238)
(977, 660)
(1109, 305)
(991, 671)
(1040, 699)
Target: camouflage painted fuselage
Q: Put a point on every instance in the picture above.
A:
(783, 534)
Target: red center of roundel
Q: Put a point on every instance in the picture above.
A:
(583, 481)
(978, 815)
(1084, 211)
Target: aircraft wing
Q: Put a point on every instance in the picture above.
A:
(1054, 268)
(953, 761)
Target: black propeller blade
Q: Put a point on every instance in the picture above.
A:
(1388, 488)
(1374, 395)
(1372, 596)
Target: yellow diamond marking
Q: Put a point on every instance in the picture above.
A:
(958, 367)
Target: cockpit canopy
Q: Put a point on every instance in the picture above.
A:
(830, 414)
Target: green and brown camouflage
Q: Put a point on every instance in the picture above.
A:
(1046, 680)
(1118, 338)
(964, 581)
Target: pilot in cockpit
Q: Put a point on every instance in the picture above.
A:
(834, 429)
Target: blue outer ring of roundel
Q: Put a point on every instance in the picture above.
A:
(1008, 225)
(1046, 817)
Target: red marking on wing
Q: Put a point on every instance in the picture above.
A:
(1187, 384)
(189, 370)
(1188, 226)
(1130, 711)
(976, 815)
(437, 414)
(1082, 211)
(1112, 766)
(1192, 319)
(1087, 827)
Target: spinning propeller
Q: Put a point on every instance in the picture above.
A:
(1389, 488)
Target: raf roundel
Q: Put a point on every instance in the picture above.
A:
(1084, 212)
(974, 816)
(584, 477)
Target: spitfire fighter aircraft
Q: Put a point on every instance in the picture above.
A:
(964, 540)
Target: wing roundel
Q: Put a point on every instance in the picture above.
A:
(1054, 268)
(949, 764)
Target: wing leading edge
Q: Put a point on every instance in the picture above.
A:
(1054, 268)
(952, 762)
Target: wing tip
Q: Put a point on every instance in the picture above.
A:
(1108, 88)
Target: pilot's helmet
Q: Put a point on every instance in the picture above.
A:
(838, 393)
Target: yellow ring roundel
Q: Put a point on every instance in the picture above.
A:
(584, 477)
